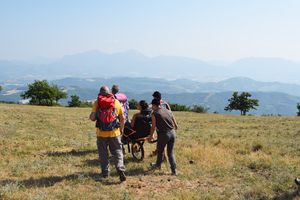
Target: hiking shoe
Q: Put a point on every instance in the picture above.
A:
(122, 176)
(104, 175)
(174, 173)
(297, 181)
(101, 177)
(153, 166)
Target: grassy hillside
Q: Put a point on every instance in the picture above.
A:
(50, 153)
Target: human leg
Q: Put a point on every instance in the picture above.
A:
(161, 143)
(103, 155)
(170, 152)
(115, 147)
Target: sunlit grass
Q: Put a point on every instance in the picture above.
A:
(50, 153)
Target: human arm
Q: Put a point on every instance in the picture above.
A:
(93, 116)
(153, 127)
(120, 115)
(174, 122)
(93, 113)
(133, 120)
(122, 123)
(168, 106)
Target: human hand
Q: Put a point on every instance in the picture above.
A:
(176, 127)
(150, 138)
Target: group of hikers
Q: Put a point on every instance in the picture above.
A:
(110, 112)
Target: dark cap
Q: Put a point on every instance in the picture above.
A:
(155, 102)
(157, 95)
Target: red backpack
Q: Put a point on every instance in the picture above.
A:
(106, 115)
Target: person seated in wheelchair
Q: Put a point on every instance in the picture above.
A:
(140, 125)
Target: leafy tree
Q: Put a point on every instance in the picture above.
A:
(133, 104)
(58, 93)
(241, 102)
(41, 93)
(179, 107)
(199, 109)
(0, 88)
(298, 107)
(194, 108)
(75, 101)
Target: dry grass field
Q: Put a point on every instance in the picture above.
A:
(50, 153)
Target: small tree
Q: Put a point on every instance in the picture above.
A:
(241, 102)
(298, 107)
(133, 104)
(199, 109)
(0, 88)
(41, 93)
(179, 107)
(75, 102)
(58, 93)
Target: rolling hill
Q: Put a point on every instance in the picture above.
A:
(213, 95)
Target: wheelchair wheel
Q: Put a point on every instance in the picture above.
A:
(137, 150)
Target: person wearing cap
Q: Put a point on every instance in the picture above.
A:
(165, 124)
(164, 104)
(110, 138)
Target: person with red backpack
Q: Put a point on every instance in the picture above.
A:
(108, 114)
(122, 99)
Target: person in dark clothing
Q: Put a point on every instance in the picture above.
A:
(141, 121)
(165, 124)
(140, 124)
(164, 104)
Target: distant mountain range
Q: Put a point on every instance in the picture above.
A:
(181, 80)
(275, 98)
(134, 64)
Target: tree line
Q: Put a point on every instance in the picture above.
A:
(42, 93)
(174, 107)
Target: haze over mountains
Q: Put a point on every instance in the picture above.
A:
(181, 80)
(134, 64)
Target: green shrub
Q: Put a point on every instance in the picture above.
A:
(179, 107)
(133, 104)
(75, 101)
(199, 109)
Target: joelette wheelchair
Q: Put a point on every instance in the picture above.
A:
(135, 142)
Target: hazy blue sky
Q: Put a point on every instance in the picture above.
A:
(204, 29)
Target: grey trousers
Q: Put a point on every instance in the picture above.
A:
(115, 147)
(163, 140)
